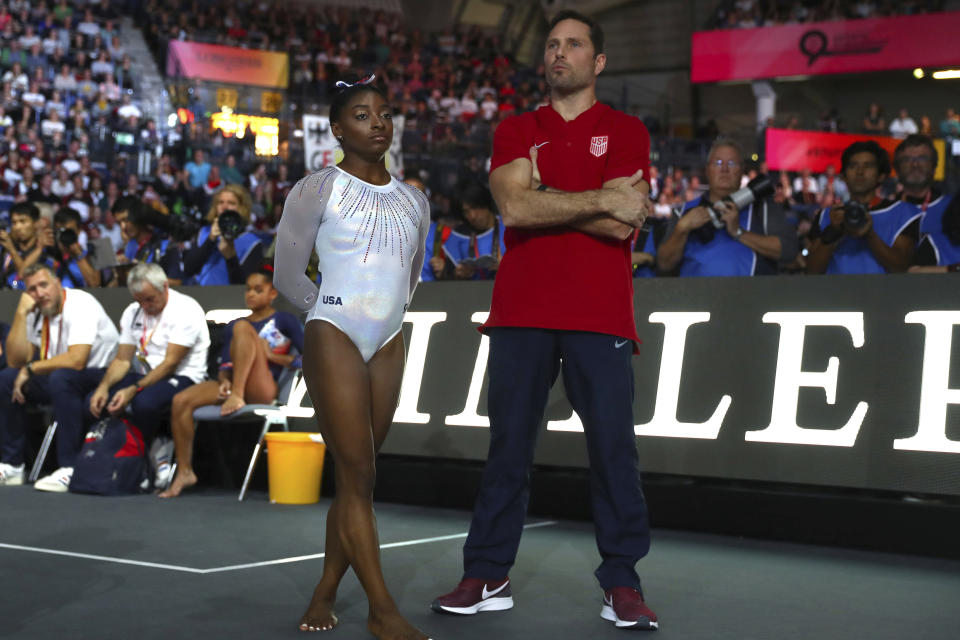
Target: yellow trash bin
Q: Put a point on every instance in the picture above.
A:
(295, 466)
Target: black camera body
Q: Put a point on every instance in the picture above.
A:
(65, 237)
(231, 224)
(854, 217)
(854, 214)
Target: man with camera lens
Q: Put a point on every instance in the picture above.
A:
(225, 253)
(939, 248)
(19, 245)
(866, 234)
(729, 231)
(143, 228)
(60, 342)
(69, 255)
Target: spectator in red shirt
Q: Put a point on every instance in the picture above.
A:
(567, 179)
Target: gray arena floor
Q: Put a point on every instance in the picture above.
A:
(206, 566)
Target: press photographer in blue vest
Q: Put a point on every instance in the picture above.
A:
(866, 234)
(150, 236)
(939, 248)
(729, 231)
(225, 252)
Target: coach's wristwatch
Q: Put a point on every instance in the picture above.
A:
(738, 233)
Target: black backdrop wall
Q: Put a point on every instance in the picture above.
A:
(842, 381)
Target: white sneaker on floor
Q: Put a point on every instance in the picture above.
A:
(161, 459)
(10, 475)
(56, 482)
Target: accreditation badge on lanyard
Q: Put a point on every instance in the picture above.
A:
(141, 353)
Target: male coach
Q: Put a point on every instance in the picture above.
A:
(569, 239)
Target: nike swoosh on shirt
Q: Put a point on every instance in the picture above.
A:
(486, 594)
(619, 343)
(537, 146)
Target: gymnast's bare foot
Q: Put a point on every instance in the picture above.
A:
(183, 480)
(319, 615)
(232, 404)
(393, 627)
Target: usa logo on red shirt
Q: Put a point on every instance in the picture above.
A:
(598, 145)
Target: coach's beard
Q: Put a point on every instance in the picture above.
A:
(568, 83)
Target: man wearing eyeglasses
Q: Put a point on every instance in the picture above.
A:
(752, 241)
(865, 235)
(939, 247)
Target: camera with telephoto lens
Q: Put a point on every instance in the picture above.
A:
(65, 237)
(757, 189)
(231, 224)
(180, 227)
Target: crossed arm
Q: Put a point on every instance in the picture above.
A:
(613, 211)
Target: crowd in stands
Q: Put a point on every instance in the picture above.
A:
(72, 137)
(748, 14)
(876, 122)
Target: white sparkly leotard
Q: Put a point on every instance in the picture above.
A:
(370, 242)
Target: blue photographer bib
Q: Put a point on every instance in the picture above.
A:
(214, 271)
(724, 255)
(853, 256)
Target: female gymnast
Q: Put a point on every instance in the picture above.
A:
(368, 230)
(255, 351)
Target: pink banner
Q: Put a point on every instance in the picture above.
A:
(227, 64)
(792, 150)
(848, 46)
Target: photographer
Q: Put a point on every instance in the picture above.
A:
(865, 235)
(939, 248)
(19, 245)
(145, 242)
(225, 253)
(711, 236)
(69, 255)
(476, 247)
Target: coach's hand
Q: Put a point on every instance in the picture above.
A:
(629, 202)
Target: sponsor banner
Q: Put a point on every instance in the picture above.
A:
(227, 64)
(321, 149)
(846, 46)
(793, 150)
(846, 381)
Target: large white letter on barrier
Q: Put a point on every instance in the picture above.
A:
(469, 416)
(422, 322)
(935, 393)
(783, 426)
(664, 421)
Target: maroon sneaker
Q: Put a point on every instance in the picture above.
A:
(474, 595)
(624, 606)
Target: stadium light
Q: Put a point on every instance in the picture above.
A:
(918, 73)
(949, 74)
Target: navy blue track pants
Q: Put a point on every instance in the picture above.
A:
(598, 379)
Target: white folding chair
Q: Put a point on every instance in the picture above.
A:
(291, 389)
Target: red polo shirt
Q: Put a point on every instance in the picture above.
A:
(560, 278)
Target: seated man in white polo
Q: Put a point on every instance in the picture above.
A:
(163, 350)
(59, 345)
